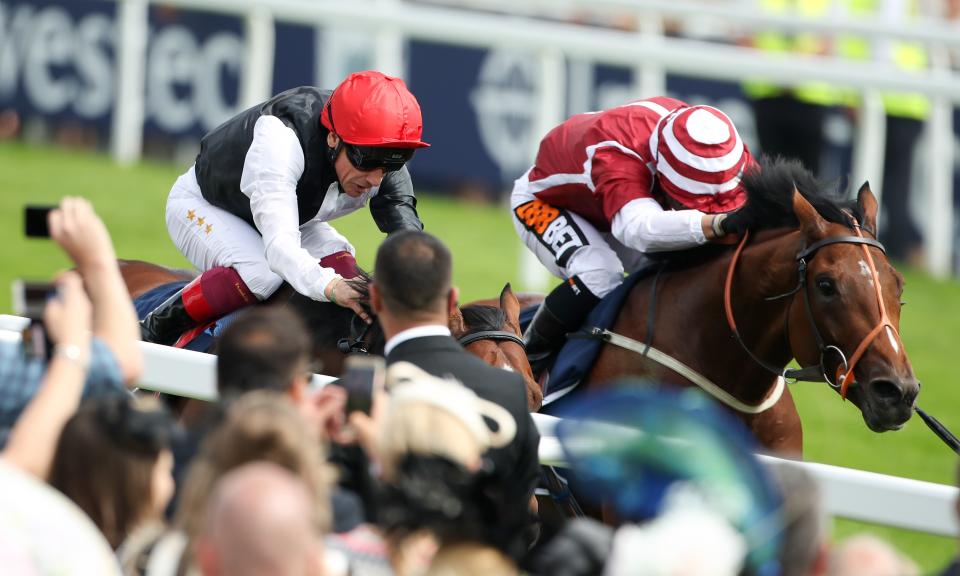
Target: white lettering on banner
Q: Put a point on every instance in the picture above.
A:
(184, 80)
(61, 62)
(505, 102)
(171, 61)
(49, 52)
(222, 50)
(13, 38)
(95, 34)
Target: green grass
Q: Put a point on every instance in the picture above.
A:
(131, 201)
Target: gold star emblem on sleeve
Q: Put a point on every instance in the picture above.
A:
(200, 221)
(209, 228)
(191, 214)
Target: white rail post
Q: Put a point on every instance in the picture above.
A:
(388, 46)
(939, 233)
(126, 138)
(870, 143)
(551, 110)
(649, 78)
(257, 78)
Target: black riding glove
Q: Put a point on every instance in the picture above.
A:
(735, 222)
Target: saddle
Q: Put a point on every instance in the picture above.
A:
(575, 359)
(200, 338)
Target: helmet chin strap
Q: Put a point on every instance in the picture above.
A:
(332, 153)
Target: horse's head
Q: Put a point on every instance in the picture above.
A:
(337, 331)
(493, 334)
(852, 298)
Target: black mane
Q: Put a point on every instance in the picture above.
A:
(481, 318)
(770, 187)
(328, 322)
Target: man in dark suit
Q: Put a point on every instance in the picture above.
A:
(413, 296)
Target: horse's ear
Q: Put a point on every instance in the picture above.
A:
(511, 307)
(812, 224)
(868, 206)
(456, 324)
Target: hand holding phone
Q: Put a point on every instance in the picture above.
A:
(362, 378)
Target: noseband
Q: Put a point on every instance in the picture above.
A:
(357, 345)
(501, 335)
(818, 372)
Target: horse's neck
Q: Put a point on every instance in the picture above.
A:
(698, 334)
(767, 270)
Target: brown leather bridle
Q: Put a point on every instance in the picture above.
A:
(818, 373)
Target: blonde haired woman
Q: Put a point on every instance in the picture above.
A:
(428, 437)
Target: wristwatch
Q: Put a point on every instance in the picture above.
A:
(74, 354)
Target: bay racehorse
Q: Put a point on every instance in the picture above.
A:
(490, 333)
(808, 282)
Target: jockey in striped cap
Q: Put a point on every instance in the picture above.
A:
(608, 187)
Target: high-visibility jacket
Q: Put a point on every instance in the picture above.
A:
(904, 55)
(821, 93)
(907, 56)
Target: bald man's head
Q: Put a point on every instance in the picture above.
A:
(260, 521)
(866, 555)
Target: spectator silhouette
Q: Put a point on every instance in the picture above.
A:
(413, 295)
(81, 366)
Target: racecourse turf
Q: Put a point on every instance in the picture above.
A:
(131, 201)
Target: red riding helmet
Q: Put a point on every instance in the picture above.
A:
(700, 159)
(372, 109)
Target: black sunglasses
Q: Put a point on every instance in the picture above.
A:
(367, 158)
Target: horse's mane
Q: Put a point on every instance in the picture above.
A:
(769, 206)
(481, 318)
(770, 185)
(329, 322)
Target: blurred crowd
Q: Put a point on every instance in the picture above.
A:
(438, 477)
(810, 122)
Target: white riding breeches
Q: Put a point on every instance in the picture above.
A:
(209, 237)
(568, 245)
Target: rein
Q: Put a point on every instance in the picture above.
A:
(817, 372)
(358, 346)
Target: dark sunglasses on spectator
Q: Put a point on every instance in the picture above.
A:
(367, 158)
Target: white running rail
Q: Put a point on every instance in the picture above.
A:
(854, 494)
(647, 51)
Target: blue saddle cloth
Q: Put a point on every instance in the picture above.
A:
(577, 355)
(154, 297)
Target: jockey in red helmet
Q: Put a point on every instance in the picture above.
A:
(608, 187)
(254, 210)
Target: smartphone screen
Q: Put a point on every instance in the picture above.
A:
(35, 221)
(361, 377)
(30, 298)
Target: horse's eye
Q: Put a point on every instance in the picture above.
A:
(826, 286)
(903, 303)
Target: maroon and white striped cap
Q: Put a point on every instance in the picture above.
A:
(700, 159)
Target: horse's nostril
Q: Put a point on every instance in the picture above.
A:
(887, 390)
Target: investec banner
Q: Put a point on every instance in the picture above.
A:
(58, 61)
